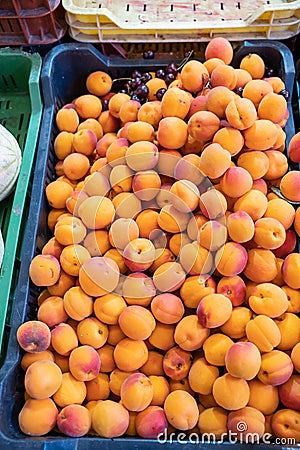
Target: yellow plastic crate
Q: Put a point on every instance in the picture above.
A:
(165, 20)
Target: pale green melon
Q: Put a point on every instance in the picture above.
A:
(10, 162)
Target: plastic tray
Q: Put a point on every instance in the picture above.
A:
(63, 77)
(31, 22)
(20, 113)
(176, 20)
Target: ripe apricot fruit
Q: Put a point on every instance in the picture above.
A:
(168, 284)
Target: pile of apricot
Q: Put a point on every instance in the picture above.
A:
(170, 286)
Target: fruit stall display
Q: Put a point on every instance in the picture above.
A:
(20, 117)
(160, 267)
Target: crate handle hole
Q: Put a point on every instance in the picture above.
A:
(10, 25)
(13, 81)
(21, 121)
(4, 80)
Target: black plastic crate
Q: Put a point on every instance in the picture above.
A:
(296, 99)
(63, 77)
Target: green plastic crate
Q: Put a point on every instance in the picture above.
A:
(20, 113)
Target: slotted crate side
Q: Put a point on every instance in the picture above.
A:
(20, 113)
(33, 28)
(64, 73)
(28, 8)
(125, 21)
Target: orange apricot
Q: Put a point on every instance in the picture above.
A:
(261, 265)
(290, 270)
(230, 392)
(255, 90)
(153, 85)
(93, 125)
(269, 233)
(98, 83)
(175, 103)
(254, 203)
(52, 311)
(235, 327)
(272, 107)
(255, 162)
(102, 415)
(223, 75)
(136, 322)
(167, 308)
(29, 358)
(290, 185)
(88, 106)
(261, 135)
(240, 226)
(219, 47)
(254, 64)
(243, 77)
(67, 120)
(210, 64)
(214, 310)
(202, 376)
(63, 339)
(214, 160)
(57, 192)
(130, 354)
(166, 136)
(91, 331)
(230, 139)
(218, 99)
(44, 270)
(243, 360)
(63, 144)
(42, 379)
(189, 334)
(37, 417)
(194, 76)
(215, 348)
(236, 182)
(202, 125)
(136, 392)
(151, 113)
(181, 410)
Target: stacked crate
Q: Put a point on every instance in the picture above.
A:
(31, 22)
